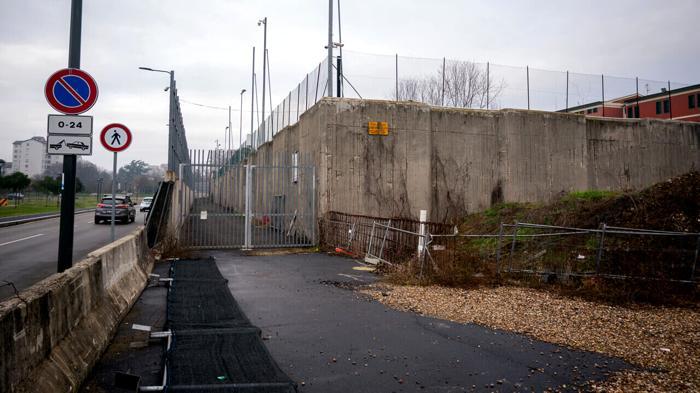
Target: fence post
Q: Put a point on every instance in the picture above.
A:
(498, 248)
(488, 84)
(567, 91)
(695, 260)
(397, 76)
(421, 233)
(599, 254)
(527, 73)
(248, 192)
(602, 89)
(443, 81)
(381, 249)
(512, 247)
(371, 236)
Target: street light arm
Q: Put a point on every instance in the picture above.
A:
(154, 70)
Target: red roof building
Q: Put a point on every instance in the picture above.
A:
(678, 104)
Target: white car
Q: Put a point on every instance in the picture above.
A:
(146, 204)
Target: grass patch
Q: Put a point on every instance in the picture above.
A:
(590, 195)
(39, 205)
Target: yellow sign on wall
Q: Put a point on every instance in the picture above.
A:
(378, 128)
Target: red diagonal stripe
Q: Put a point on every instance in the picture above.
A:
(71, 91)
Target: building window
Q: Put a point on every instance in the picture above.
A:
(658, 107)
(666, 106)
(636, 112)
(630, 113)
(691, 101)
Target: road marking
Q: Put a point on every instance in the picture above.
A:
(19, 240)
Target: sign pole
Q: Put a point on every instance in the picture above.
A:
(65, 237)
(114, 200)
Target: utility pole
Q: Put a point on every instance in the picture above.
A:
(65, 235)
(230, 133)
(264, 22)
(330, 49)
(252, 100)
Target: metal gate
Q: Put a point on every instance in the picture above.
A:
(225, 203)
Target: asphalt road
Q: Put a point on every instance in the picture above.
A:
(28, 252)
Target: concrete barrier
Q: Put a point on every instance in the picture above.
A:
(56, 332)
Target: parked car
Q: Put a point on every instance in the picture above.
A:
(146, 204)
(124, 210)
(15, 195)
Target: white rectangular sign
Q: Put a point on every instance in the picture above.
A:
(80, 145)
(70, 124)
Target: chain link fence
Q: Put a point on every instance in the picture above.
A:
(518, 248)
(450, 83)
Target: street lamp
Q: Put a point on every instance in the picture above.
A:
(240, 128)
(171, 117)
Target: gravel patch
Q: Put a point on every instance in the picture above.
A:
(664, 342)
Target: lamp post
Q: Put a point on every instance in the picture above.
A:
(240, 127)
(171, 117)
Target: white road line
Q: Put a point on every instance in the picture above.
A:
(19, 240)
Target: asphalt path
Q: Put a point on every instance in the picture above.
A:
(330, 339)
(28, 252)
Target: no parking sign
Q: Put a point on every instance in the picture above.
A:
(71, 91)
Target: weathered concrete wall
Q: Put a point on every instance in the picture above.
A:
(55, 333)
(454, 161)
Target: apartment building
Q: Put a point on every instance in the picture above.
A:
(29, 156)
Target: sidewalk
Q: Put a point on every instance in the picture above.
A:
(329, 338)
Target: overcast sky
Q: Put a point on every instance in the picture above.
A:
(209, 42)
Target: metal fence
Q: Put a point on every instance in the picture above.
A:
(235, 205)
(520, 248)
(450, 83)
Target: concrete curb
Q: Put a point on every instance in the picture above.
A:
(33, 219)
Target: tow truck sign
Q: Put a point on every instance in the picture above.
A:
(80, 145)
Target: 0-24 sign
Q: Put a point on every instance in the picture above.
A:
(70, 124)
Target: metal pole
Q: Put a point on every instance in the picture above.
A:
(330, 48)
(670, 107)
(171, 123)
(512, 247)
(338, 76)
(67, 221)
(636, 82)
(252, 99)
(443, 81)
(599, 254)
(264, 70)
(114, 199)
(488, 84)
(498, 248)
(567, 91)
(248, 192)
(240, 128)
(229, 136)
(602, 89)
(527, 77)
(397, 76)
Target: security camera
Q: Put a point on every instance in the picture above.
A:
(166, 89)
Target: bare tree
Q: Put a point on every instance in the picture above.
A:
(464, 85)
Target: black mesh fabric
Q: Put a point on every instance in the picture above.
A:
(214, 346)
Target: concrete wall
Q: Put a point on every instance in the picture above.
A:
(53, 336)
(455, 161)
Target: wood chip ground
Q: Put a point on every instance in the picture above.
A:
(665, 341)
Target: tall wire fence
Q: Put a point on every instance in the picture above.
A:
(450, 83)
